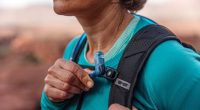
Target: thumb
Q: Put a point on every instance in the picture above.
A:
(79, 72)
(117, 107)
(86, 78)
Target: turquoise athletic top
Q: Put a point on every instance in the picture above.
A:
(170, 79)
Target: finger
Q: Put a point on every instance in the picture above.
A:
(66, 77)
(62, 85)
(88, 70)
(54, 93)
(55, 100)
(82, 75)
(133, 108)
(56, 71)
(117, 107)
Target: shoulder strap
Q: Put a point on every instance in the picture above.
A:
(133, 61)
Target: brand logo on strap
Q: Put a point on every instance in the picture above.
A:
(122, 83)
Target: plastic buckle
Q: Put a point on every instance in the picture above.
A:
(110, 74)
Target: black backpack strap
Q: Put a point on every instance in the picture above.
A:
(133, 61)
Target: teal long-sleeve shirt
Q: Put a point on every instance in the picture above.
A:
(170, 79)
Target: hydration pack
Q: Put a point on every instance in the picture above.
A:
(135, 55)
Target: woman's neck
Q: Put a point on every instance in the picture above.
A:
(104, 27)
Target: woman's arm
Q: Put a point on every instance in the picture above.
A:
(172, 76)
(46, 103)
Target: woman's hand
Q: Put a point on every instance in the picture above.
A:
(65, 79)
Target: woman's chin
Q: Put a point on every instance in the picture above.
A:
(59, 11)
(69, 7)
(59, 7)
(62, 10)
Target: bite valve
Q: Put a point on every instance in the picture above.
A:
(99, 65)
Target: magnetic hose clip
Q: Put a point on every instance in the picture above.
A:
(101, 70)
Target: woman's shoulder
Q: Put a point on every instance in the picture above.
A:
(171, 55)
(69, 48)
(169, 69)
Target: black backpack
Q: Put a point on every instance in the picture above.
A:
(136, 54)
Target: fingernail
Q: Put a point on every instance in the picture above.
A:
(90, 84)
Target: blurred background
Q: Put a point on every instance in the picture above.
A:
(32, 37)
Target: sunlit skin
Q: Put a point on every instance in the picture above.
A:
(103, 21)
